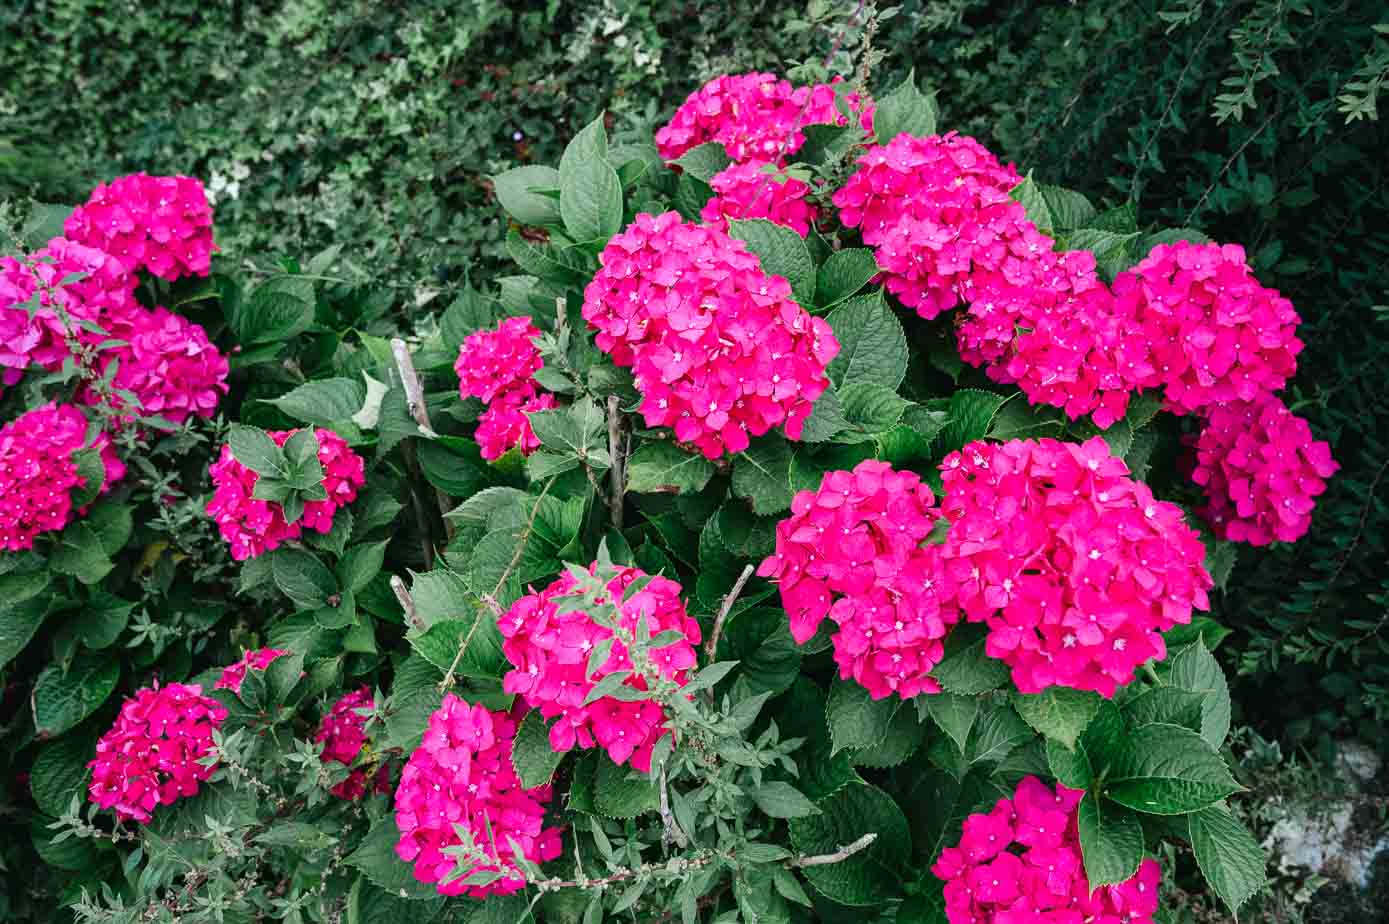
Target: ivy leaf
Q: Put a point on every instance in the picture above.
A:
(1111, 841)
(855, 719)
(782, 800)
(660, 467)
(870, 876)
(906, 110)
(1229, 857)
(1167, 770)
(762, 475)
(782, 252)
(953, 713)
(842, 274)
(1060, 713)
(61, 700)
(872, 345)
(515, 190)
(704, 160)
(531, 755)
(590, 193)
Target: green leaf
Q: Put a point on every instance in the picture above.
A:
(855, 719)
(760, 641)
(621, 792)
(704, 160)
(590, 193)
(578, 431)
(971, 413)
(515, 191)
(782, 800)
(328, 403)
(547, 261)
(1168, 705)
(1069, 209)
(996, 734)
(61, 700)
(870, 409)
(782, 252)
(20, 619)
(103, 619)
(660, 467)
(361, 563)
(1195, 669)
(1167, 770)
(1114, 251)
(302, 577)
(60, 772)
(953, 713)
(1229, 857)
(872, 345)
(254, 448)
(1030, 195)
(1060, 713)
(441, 642)
(1111, 841)
(825, 143)
(762, 474)
(1071, 767)
(450, 471)
(904, 736)
(842, 274)
(870, 876)
(965, 668)
(80, 553)
(375, 856)
(531, 756)
(276, 312)
(439, 595)
(1121, 219)
(92, 470)
(906, 110)
(826, 418)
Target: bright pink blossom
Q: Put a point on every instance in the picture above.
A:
(343, 736)
(498, 360)
(1261, 471)
(159, 223)
(38, 471)
(719, 349)
(461, 776)
(757, 189)
(156, 752)
(104, 294)
(258, 660)
(1075, 567)
(1217, 335)
(168, 363)
(1022, 862)
(853, 551)
(505, 424)
(549, 651)
(254, 526)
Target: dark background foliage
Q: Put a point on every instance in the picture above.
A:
(375, 127)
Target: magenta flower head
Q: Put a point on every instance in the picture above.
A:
(459, 793)
(500, 360)
(104, 295)
(505, 425)
(1074, 567)
(233, 674)
(853, 551)
(169, 364)
(38, 471)
(549, 649)
(159, 223)
(758, 189)
(719, 350)
(1261, 470)
(1022, 862)
(253, 527)
(155, 753)
(1217, 335)
(343, 736)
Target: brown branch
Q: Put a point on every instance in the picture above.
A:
(618, 468)
(712, 645)
(839, 856)
(407, 602)
(419, 409)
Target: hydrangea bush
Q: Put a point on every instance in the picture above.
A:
(826, 522)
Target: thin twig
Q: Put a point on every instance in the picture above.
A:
(1191, 216)
(671, 832)
(839, 856)
(407, 602)
(712, 646)
(618, 467)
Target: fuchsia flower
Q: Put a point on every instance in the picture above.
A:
(549, 651)
(757, 189)
(254, 527)
(853, 551)
(505, 424)
(461, 776)
(169, 364)
(154, 755)
(103, 296)
(719, 349)
(1261, 471)
(493, 362)
(755, 116)
(1022, 862)
(1217, 336)
(1074, 567)
(342, 733)
(38, 471)
(233, 674)
(159, 223)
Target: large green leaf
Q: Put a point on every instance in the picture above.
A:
(375, 856)
(856, 720)
(281, 309)
(61, 700)
(1111, 841)
(965, 668)
(20, 619)
(60, 773)
(704, 160)
(905, 110)
(954, 714)
(872, 875)
(1229, 857)
(1167, 770)
(329, 403)
(302, 577)
(590, 193)
(516, 191)
(622, 792)
(842, 274)
(1195, 669)
(782, 252)
(661, 467)
(442, 641)
(532, 757)
(762, 475)
(1058, 712)
(872, 345)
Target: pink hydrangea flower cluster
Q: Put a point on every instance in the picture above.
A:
(549, 650)
(1261, 471)
(461, 775)
(254, 527)
(1022, 862)
(853, 551)
(1075, 567)
(169, 364)
(343, 736)
(719, 349)
(755, 116)
(154, 753)
(234, 674)
(38, 472)
(499, 366)
(1216, 335)
(159, 223)
(104, 294)
(758, 189)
